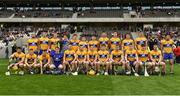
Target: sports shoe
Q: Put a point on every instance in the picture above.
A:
(97, 74)
(7, 73)
(75, 73)
(105, 73)
(31, 72)
(128, 72)
(172, 73)
(21, 72)
(136, 74)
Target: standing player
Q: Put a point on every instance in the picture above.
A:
(81, 58)
(44, 42)
(143, 56)
(104, 40)
(83, 43)
(69, 59)
(127, 42)
(117, 59)
(17, 61)
(114, 41)
(103, 59)
(53, 42)
(74, 42)
(131, 58)
(56, 58)
(156, 59)
(94, 43)
(30, 61)
(167, 50)
(91, 58)
(44, 61)
(32, 43)
(141, 40)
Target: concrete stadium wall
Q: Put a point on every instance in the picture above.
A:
(69, 20)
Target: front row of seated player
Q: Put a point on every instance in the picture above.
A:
(46, 62)
(101, 62)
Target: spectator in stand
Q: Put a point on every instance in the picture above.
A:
(177, 54)
(151, 42)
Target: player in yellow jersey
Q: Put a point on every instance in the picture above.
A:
(94, 43)
(32, 43)
(104, 40)
(141, 40)
(91, 58)
(103, 59)
(131, 58)
(83, 43)
(167, 50)
(17, 61)
(44, 42)
(127, 42)
(44, 61)
(74, 42)
(30, 61)
(117, 59)
(156, 59)
(53, 42)
(81, 58)
(115, 41)
(69, 62)
(143, 57)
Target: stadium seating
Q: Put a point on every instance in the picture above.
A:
(101, 13)
(36, 14)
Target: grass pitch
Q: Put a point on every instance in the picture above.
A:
(88, 85)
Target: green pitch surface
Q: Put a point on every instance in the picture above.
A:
(88, 85)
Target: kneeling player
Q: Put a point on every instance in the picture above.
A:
(81, 58)
(103, 57)
(17, 62)
(92, 59)
(156, 59)
(44, 61)
(143, 56)
(30, 61)
(56, 61)
(117, 59)
(69, 60)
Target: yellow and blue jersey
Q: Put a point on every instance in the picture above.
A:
(44, 43)
(32, 44)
